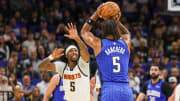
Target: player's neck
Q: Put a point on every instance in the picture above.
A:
(72, 64)
(110, 37)
(155, 81)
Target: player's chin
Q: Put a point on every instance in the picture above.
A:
(74, 58)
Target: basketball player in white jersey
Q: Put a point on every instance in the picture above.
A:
(75, 73)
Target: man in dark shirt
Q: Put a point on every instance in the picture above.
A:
(155, 89)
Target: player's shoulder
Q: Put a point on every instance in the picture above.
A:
(59, 63)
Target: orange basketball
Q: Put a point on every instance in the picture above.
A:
(109, 10)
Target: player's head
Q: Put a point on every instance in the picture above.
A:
(154, 71)
(110, 28)
(72, 53)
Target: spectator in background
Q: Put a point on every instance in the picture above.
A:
(151, 52)
(58, 10)
(142, 51)
(158, 36)
(11, 67)
(13, 80)
(26, 9)
(15, 26)
(23, 56)
(35, 96)
(44, 83)
(174, 50)
(44, 37)
(24, 34)
(19, 93)
(175, 73)
(2, 71)
(18, 66)
(173, 63)
(37, 39)
(27, 87)
(173, 82)
(33, 20)
(33, 59)
(137, 38)
(31, 72)
(53, 43)
(42, 10)
(43, 25)
(12, 40)
(4, 50)
(134, 81)
(5, 87)
(164, 74)
(17, 47)
(30, 43)
(7, 33)
(41, 52)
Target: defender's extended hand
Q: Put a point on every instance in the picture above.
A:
(72, 30)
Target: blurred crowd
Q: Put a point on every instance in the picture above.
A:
(31, 29)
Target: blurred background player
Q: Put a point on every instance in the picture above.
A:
(75, 72)
(112, 55)
(56, 88)
(155, 89)
(95, 85)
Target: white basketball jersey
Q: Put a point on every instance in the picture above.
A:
(76, 84)
(97, 87)
(76, 81)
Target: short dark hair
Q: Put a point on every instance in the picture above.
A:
(110, 27)
(157, 65)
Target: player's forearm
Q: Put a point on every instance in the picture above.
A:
(123, 28)
(83, 49)
(87, 27)
(46, 98)
(44, 63)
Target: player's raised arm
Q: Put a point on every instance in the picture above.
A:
(87, 36)
(126, 35)
(73, 34)
(45, 65)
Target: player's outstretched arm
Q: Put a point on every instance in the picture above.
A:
(73, 34)
(52, 85)
(45, 65)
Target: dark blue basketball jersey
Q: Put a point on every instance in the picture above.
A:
(59, 93)
(113, 61)
(154, 92)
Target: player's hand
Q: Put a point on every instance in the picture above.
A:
(72, 30)
(99, 9)
(57, 53)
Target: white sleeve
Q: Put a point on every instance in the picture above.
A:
(84, 66)
(177, 93)
(60, 67)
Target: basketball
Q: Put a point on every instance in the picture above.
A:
(109, 10)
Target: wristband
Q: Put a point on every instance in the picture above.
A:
(50, 57)
(90, 22)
